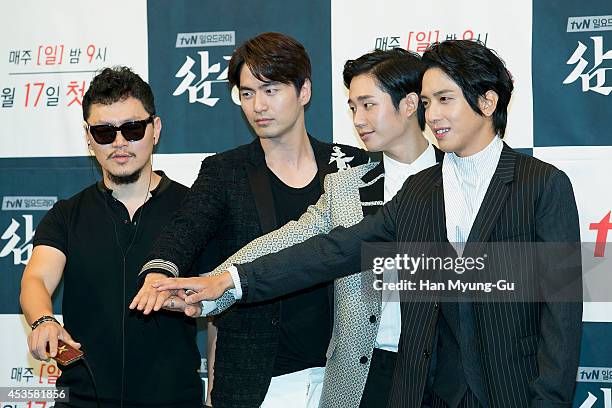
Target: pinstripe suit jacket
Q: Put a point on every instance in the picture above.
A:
(529, 351)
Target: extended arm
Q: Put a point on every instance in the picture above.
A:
(316, 220)
(319, 259)
(191, 228)
(39, 281)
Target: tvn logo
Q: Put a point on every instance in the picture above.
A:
(590, 23)
(594, 374)
(27, 203)
(209, 39)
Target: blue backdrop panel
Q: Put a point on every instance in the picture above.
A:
(29, 187)
(595, 372)
(565, 114)
(212, 122)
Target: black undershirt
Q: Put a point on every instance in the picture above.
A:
(305, 322)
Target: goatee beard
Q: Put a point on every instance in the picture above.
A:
(127, 179)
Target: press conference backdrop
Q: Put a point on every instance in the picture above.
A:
(560, 55)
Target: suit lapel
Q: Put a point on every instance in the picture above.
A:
(259, 181)
(439, 155)
(372, 192)
(437, 206)
(494, 198)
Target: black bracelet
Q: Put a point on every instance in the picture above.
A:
(42, 320)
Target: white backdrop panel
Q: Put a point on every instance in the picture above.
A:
(358, 26)
(585, 166)
(66, 43)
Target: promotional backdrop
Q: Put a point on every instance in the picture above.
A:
(559, 53)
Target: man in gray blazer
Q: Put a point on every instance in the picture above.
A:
(518, 353)
(389, 118)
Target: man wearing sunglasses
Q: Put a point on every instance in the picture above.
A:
(96, 241)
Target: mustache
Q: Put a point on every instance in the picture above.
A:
(120, 153)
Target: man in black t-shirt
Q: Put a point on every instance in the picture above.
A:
(271, 354)
(96, 241)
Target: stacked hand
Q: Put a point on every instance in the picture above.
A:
(209, 287)
(180, 294)
(148, 298)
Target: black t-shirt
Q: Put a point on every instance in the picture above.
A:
(104, 252)
(305, 321)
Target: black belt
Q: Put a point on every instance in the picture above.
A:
(380, 377)
(383, 359)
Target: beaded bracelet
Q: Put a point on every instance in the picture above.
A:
(42, 320)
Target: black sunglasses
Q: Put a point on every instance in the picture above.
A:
(131, 131)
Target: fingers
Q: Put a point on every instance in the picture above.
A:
(179, 283)
(45, 334)
(209, 293)
(161, 298)
(151, 301)
(68, 339)
(193, 310)
(147, 299)
(143, 297)
(174, 304)
(196, 297)
(52, 346)
(137, 298)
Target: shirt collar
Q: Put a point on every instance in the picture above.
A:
(395, 168)
(163, 184)
(479, 166)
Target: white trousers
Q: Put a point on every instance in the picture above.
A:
(301, 389)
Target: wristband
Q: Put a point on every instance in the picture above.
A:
(42, 320)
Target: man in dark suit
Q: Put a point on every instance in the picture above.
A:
(242, 194)
(518, 353)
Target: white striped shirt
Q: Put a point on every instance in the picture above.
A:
(466, 180)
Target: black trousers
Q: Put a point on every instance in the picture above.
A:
(378, 384)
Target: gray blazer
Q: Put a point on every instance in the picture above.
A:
(349, 196)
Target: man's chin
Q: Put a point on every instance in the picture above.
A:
(125, 178)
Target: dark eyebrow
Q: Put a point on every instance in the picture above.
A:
(267, 84)
(361, 98)
(442, 92)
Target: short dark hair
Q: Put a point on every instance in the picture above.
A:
(396, 71)
(476, 69)
(115, 84)
(271, 57)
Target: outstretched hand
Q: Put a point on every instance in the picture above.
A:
(148, 298)
(206, 287)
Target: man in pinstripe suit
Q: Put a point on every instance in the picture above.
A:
(460, 354)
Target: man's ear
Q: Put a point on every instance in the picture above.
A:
(157, 126)
(488, 102)
(87, 139)
(305, 92)
(409, 104)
